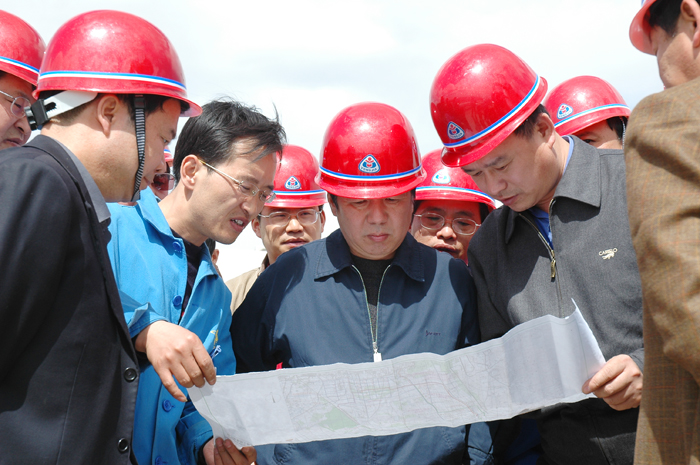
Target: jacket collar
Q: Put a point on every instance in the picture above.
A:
(151, 213)
(581, 181)
(335, 256)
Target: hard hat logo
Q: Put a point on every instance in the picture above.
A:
(454, 132)
(564, 111)
(369, 164)
(292, 184)
(441, 177)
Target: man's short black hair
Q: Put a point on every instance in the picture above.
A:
(211, 245)
(527, 127)
(224, 122)
(617, 124)
(665, 14)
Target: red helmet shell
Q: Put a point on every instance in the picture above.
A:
(21, 48)
(295, 185)
(639, 29)
(370, 152)
(582, 101)
(449, 183)
(479, 97)
(113, 52)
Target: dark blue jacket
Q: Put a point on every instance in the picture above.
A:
(309, 308)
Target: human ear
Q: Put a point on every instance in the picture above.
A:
(188, 170)
(255, 224)
(107, 109)
(690, 12)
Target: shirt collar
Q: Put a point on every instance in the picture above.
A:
(98, 200)
(336, 256)
(581, 180)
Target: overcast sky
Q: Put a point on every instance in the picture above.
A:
(310, 59)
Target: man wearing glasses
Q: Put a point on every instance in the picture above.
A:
(21, 52)
(177, 307)
(449, 208)
(295, 217)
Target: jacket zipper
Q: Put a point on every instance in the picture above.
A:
(553, 261)
(375, 337)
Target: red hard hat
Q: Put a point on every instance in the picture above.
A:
(113, 52)
(370, 152)
(479, 97)
(639, 29)
(449, 183)
(295, 185)
(582, 101)
(21, 48)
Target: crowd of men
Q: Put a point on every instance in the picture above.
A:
(111, 303)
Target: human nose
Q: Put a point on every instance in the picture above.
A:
(23, 126)
(493, 184)
(446, 232)
(377, 212)
(293, 224)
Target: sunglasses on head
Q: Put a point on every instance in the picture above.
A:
(164, 182)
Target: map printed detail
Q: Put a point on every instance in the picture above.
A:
(537, 364)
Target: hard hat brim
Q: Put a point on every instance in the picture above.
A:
(639, 29)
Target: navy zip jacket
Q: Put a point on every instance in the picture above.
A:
(309, 308)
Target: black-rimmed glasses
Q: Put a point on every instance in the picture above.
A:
(435, 222)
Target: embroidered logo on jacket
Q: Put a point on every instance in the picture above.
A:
(607, 254)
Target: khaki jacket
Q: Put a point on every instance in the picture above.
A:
(663, 188)
(240, 285)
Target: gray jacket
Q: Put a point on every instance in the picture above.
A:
(519, 277)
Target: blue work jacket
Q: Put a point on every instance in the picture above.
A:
(150, 266)
(309, 308)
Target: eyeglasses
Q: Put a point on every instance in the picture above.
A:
(245, 188)
(435, 222)
(18, 104)
(282, 218)
(163, 181)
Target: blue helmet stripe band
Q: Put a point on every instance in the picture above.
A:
(500, 122)
(298, 193)
(453, 189)
(592, 110)
(19, 63)
(118, 76)
(389, 177)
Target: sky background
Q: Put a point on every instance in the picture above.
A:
(311, 59)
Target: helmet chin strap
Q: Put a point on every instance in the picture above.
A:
(624, 131)
(41, 111)
(140, 124)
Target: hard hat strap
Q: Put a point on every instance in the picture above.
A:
(624, 131)
(140, 124)
(43, 110)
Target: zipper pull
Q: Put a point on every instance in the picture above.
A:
(377, 355)
(553, 266)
